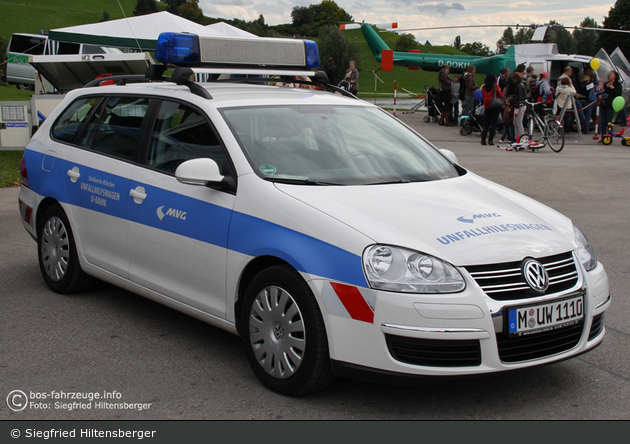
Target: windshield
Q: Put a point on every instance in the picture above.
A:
(333, 145)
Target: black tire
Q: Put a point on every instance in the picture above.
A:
(65, 278)
(555, 137)
(259, 333)
(25, 87)
(435, 119)
(465, 130)
(427, 119)
(607, 140)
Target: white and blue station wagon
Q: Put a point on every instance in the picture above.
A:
(330, 236)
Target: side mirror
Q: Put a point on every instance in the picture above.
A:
(449, 155)
(201, 171)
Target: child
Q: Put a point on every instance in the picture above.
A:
(508, 121)
(455, 86)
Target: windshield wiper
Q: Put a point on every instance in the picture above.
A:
(300, 181)
(390, 182)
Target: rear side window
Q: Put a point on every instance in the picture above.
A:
(67, 126)
(114, 130)
(92, 49)
(68, 48)
(181, 133)
(27, 45)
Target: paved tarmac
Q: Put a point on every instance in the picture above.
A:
(109, 340)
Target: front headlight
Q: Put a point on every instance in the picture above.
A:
(398, 269)
(585, 252)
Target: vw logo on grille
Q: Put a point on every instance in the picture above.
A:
(536, 275)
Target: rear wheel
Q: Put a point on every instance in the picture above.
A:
(284, 334)
(465, 130)
(435, 119)
(427, 119)
(25, 87)
(555, 136)
(58, 259)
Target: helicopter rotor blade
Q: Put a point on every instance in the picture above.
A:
(459, 27)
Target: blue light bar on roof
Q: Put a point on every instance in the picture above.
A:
(237, 52)
(177, 49)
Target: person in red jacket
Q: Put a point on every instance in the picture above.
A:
(489, 91)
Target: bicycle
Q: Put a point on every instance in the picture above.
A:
(549, 127)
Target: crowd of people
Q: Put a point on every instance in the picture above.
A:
(508, 95)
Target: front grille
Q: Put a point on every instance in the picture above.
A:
(434, 352)
(505, 281)
(538, 345)
(597, 326)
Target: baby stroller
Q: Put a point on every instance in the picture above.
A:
(474, 122)
(345, 85)
(433, 102)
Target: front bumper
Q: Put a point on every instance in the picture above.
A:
(466, 328)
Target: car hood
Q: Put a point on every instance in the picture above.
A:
(465, 220)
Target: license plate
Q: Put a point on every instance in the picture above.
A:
(545, 317)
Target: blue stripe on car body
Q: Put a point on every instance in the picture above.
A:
(205, 222)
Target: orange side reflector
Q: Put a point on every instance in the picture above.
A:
(387, 59)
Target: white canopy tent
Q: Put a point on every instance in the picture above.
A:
(222, 28)
(139, 32)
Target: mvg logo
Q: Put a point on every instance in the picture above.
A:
(471, 219)
(171, 212)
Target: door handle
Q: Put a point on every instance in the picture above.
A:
(74, 174)
(138, 194)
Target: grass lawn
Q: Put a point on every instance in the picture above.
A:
(34, 15)
(11, 93)
(10, 168)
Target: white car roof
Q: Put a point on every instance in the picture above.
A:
(230, 94)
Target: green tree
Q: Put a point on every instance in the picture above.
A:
(173, 5)
(191, 11)
(585, 39)
(105, 17)
(523, 35)
(330, 12)
(476, 49)
(143, 7)
(302, 15)
(457, 43)
(561, 37)
(427, 43)
(506, 40)
(617, 19)
(332, 42)
(258, 27)
(406, 42)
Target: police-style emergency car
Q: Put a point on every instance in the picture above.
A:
(333, 238)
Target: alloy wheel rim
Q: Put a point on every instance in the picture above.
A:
(276, 332)
(55, 249)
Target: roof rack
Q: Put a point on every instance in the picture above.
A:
(155, 73)
(182, 75)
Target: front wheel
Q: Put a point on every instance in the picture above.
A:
(284, 334)
(555, 136)
(57, 253)
(427, 119)
(465, 130)
(607, 139)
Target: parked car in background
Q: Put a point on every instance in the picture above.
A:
(19, 71)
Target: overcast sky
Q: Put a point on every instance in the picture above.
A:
(427, 13)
